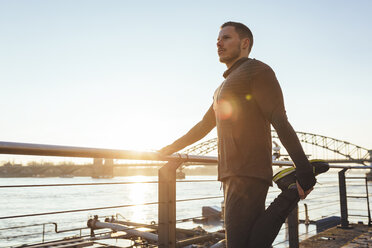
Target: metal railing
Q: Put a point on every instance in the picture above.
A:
(166, 184)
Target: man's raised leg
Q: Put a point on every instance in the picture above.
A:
(268, 225)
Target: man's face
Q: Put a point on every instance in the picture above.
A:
(229, 45)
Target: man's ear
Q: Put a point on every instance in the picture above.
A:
(245, 43)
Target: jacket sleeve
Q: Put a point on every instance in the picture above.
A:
(199, 131)
(268, 95)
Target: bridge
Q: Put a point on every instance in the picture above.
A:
(317, 146)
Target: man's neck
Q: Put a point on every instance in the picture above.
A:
(229, 64)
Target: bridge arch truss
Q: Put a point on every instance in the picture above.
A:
(341, 150)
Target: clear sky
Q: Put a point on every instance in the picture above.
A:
(139, 74)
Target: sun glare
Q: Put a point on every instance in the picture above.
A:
(140, 193)
(138, 179)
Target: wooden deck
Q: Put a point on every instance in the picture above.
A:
(358, 236)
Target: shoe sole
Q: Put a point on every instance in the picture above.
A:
(319, 166)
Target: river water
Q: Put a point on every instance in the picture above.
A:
(323, 202)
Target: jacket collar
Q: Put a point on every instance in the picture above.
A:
(234, 66)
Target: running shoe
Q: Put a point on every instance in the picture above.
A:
(319, 166)
(286, 179)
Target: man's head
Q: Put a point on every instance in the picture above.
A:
(234, 41)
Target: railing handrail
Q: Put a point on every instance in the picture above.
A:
(166, 182)
(15, 148)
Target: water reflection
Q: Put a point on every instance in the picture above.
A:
(140, 193)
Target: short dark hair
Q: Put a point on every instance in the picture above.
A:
(242, 30)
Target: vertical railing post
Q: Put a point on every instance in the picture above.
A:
(343, 198)
(368, 208)
(43, 232)
(307, 220)
(369, 173)
(292, 220)
(167, 205)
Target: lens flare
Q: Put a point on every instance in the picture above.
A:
(223, 110)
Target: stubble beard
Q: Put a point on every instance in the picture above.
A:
(231, 57)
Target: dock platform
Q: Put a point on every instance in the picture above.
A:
(357, 236)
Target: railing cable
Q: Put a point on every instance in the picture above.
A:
(198, 199)
(93, 184)
(77, 210)
(102, 208)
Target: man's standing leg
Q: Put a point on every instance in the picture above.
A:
(244, 203)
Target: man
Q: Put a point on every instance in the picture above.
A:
(244, 106)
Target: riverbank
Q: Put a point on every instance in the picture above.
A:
(88, 170)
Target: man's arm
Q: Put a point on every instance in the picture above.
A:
(267, 92)
(196, 133)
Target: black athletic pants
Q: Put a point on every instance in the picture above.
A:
(247, 223)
